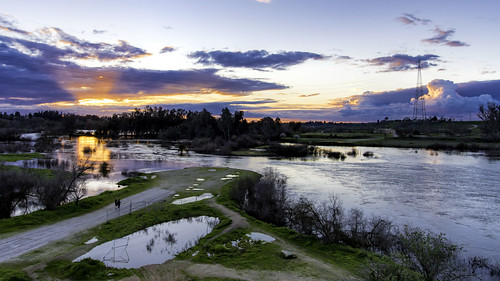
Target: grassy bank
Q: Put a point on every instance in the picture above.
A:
(70, 210)
(13, 157)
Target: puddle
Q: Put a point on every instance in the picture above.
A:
(192, 199)
(229, 177)
(153, 245)
(257, 236)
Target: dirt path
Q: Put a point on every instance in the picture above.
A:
(19, 244)
(237, 221)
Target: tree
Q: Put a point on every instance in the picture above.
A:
(266, 200)
(65, 184)
(428, 253)
(15, 187)
(490, 115)
(226, 123)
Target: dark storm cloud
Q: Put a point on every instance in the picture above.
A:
(412, 19)
(476, 88)
(187, 81)
(401, 62)
(27, 80)
(35, 71)
(441, 37)
(255, 59)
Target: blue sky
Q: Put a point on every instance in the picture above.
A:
(299, 60)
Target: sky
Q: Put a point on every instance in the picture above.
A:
(322, 60)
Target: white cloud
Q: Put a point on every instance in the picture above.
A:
(264, 1)
(442, 98)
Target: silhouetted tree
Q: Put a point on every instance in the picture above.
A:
(490, 114)
(15, 188)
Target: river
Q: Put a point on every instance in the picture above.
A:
(454, 193)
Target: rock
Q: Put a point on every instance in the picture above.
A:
(288, 254)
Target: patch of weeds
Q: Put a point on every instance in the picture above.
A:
(8, 274)
(86, 269)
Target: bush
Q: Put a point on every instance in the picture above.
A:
(389, 270)
(13, 275)
(300, 150)
(427, 253)
(266, 200)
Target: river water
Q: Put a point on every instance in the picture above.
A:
(454, 193)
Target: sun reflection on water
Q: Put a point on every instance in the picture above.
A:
(92, 148)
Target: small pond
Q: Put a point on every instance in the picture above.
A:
(153, 245)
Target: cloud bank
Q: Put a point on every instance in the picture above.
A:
(443, 98)
(401, 62)
(48, 66)
(254, 59)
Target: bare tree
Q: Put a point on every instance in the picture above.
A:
(329, 219)
(268, 199)
(67, 183)
(15, 187)
(356, 226)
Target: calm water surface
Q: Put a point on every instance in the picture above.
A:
(457, 194)
(153, 245)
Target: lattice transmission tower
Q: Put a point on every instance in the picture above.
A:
(419, 100)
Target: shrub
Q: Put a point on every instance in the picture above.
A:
(427, 253)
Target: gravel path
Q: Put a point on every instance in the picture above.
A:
(19, 244)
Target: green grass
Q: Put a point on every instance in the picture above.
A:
(9, 274)
(86, 205)
(13, 157)
(86, 269)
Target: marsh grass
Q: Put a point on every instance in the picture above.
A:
(13, 157)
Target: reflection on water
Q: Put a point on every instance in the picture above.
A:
(92, 148)
(453, 193)
(153, 245)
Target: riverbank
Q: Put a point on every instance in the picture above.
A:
(257, 262)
